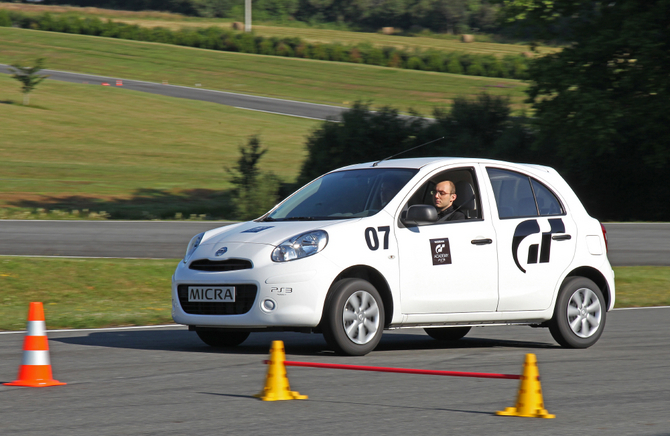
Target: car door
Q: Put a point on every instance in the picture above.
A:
(448, 267)
(536, 239)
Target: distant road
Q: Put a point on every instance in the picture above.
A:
(242, 101)
(629, 244)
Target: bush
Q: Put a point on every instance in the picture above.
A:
(435, 61)
(454, 66)
(415, 63)
(5, 20)
(476, 69)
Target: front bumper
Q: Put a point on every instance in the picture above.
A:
(296, 289)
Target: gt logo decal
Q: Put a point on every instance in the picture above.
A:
(530, 227)
(440, 251)
(373, 241)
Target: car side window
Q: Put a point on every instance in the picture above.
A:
(467, 201)
(519, 195)
(547, 202)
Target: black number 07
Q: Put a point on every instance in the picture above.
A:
(373, 241)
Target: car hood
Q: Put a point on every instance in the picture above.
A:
(268, 233)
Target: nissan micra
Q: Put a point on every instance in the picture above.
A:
(361, 249)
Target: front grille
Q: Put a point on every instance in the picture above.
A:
(220, 265)
(245, 295)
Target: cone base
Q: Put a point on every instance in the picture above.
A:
(35, 376)
(35, 383)
(280, 396)
(513, 411)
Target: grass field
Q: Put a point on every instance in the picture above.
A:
(332, 83)
(79, 293)
(311, 34)
(101, 148)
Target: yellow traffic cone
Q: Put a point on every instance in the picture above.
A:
(276, 382)
(529, 402)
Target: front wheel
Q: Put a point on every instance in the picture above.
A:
(221, 337)
(353, 318)
(579, 316)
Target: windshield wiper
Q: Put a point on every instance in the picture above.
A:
(299, 218)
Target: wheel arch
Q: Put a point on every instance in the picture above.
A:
(372, 276)
(597, 277)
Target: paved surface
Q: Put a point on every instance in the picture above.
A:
(639, 244)
(164, 381)
(143, 239)
(629, 244)
(242, 101)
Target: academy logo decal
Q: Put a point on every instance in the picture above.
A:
(440, 251)
(535, 252)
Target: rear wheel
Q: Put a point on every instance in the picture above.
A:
(353, 319)
(221, 337)
(579, 316)
(447, 333)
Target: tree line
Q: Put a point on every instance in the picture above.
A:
(479, 127)
(444, 16)
(217, 38)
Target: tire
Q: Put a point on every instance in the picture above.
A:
(579, 316)
(353, 319)
(447, 334)
(220, 338)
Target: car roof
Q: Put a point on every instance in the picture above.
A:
(428, 162)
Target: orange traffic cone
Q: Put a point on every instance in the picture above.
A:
(529, 401)
(276, 382)
(35, 369)
(119, 83)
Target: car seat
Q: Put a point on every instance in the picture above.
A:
(465, 199)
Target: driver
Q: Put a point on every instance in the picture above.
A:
(444, 196)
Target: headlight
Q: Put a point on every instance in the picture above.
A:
(300, 246)
(195, 242)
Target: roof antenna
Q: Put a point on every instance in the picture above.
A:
(413, 148)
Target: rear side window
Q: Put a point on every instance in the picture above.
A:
(518, 195)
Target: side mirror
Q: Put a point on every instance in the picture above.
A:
(419, 215)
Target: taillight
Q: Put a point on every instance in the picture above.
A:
(607, 250)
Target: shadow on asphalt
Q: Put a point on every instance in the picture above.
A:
(301, 344)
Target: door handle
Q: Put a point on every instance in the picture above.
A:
(561, 237)
(481, 241)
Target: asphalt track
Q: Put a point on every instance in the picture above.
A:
(164, 381)
(241, 101)
(629, 244)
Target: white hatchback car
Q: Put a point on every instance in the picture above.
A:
(359, 250)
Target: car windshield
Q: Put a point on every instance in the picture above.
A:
(344, 194)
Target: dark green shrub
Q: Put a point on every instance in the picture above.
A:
(375, 56)
(435, 61)
(337, 52)
(476, 68)
(5, 20)
(283, 49)
(266, 47)
(319, 51)
(454, 66)
(302, 51)
(246, 43)
(415, 63)
(355, 55)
